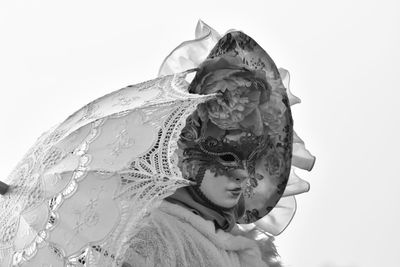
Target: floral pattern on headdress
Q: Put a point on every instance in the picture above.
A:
(208, 44)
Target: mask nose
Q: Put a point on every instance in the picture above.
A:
(239, 175)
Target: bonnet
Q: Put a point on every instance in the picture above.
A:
(252, 103)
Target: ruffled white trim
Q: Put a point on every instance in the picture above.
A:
(285, 77)
(276, 221)
(295, 185)
(190, 54)
(301, 157)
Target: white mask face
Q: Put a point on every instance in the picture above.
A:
(224, 190)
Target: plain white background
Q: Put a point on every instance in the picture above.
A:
(344, 62)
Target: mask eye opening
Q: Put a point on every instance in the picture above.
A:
(228, 157)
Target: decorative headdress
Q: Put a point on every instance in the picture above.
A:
(248, 125)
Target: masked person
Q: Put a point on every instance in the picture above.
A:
(237, 151)
(166, 172)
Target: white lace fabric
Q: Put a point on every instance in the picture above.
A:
(77, 195)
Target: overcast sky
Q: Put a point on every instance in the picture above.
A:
(344, 62)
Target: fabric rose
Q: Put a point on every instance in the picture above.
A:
(242, 94)
(274, 163)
